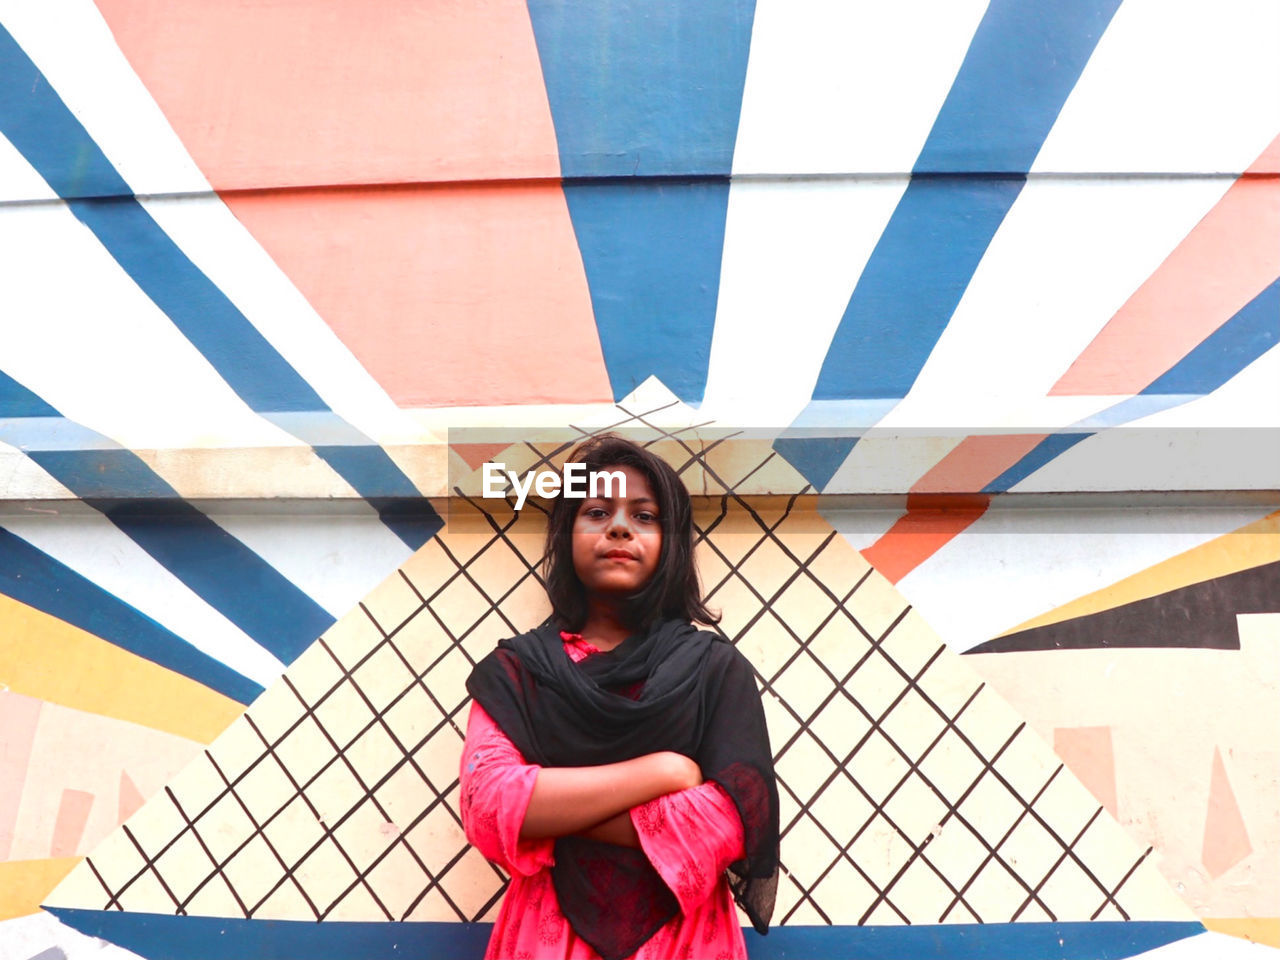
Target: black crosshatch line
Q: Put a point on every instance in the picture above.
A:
(803, 724)
(877, 809)
(217, 868)
(953, 812)
(1123, 880)
(999, 843)
(351, 769)
(330, 829)
(769, 532)
(105, 886)
(1067, 848)
(408, 756)
(150, 865)
(840, 769)
(1057, 863)
(839, 687)
(704, 536)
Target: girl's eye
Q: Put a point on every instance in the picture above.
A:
(644, 516)
(595, 513)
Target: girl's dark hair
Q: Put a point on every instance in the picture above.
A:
(673, 591)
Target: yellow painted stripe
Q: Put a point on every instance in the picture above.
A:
(1250, 546)
(25, 883)
(44, 657)
(1258, 929)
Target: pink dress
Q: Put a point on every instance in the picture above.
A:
(690, 837)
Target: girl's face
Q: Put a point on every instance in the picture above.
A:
(617, 540)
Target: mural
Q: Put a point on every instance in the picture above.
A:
(959, 319)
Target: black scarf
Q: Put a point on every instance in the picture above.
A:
(698, 698)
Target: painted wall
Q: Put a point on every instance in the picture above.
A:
(959, 319)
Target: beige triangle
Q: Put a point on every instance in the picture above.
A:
(979, 819)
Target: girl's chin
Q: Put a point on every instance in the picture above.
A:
(614, 591)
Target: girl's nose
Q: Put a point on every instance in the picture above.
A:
(618, 527)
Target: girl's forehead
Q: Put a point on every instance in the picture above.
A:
(638, 483)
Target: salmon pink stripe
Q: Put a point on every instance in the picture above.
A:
(975, 462)
(463, 294)
(1219, 267)
(18, 718)
(930, 523)
(73, 814)
(943, 504)
(268, 94)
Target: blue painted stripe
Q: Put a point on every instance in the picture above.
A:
(1251, 332)
(224, 572)
(225, 938)
(17, 401)
(36, 579)
(37, 122)
(403, 510)
(56, 144)
(651, 250)
(197, 307)
(1050, 448)
(644, 87)
(817, 458)
(1021, 65)
(100, 474)
(220, 569)
(912, 283)
(648, 89)
(414, 521)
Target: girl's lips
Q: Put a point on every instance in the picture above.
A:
(618, 555)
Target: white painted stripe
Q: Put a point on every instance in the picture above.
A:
(19, 181)
(844, 86)
(1016, 563)
(72, 46)
(1226, 440)
(22, 479)
(793, 251)
(1210, 946)
(861, 527)
(85, 541)
(83, 336)
(1173, 86)
(24, 938)
(71, 43)
(1066, 258)
(1249, 399)
(336, 559)
(229, 256)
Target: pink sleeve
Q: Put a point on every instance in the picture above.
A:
(495, 787)
(690, 837)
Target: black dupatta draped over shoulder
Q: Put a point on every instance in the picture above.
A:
(698, 697)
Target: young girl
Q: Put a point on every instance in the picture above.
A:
(617, 764)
